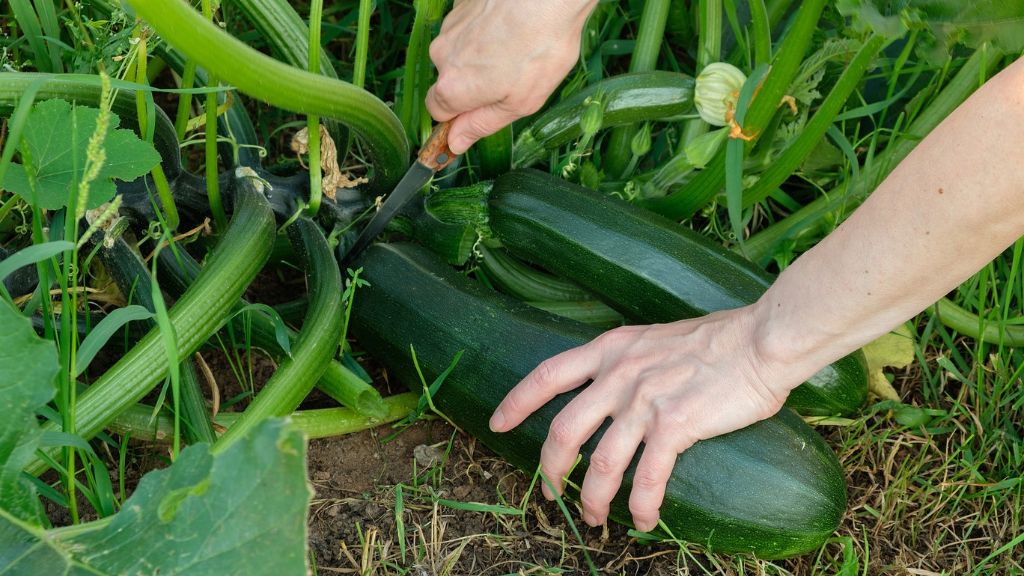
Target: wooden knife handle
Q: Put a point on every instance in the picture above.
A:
(435, 153)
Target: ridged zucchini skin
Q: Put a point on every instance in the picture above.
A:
(773, 489)
(647, 267)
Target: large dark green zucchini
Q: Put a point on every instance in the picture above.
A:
(773, 489)
(649, 268)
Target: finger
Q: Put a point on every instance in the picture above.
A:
(445, 101)
(476, 124)
(650, 480)
(551, 377)
(607, 464)
(569, 429)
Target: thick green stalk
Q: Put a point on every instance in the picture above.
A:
(316, 12)
(362, 43)
(315, 347)
(188, 80)
(781, 168)
(649, 37)
(331, 422)
(337, 381)
(970, 324)
(592, 312)
(143, 103)
(761, 32)
(321, 423)
(710, 34)
(292, 89)
(417, 66)
(526, 283)
(710, 181)
(288, 37)
(235, 261)
(849, 194)
(211, 167)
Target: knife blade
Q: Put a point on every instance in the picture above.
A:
(433, 156)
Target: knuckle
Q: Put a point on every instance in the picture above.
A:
(480, 126)
(436, 50)
(646, 480)
(544, 374)
(602, 463)
(514, 401)
(561, 430)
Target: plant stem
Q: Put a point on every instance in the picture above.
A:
(650, 35)
(762, 32)
(239, 255)
(849, 194)
(188, 80)
(710, 31)
(710, 181)
(970, 324)
(143, 101)
(815, 129)
(314, 349)
(362, 43)
(316, 10)
(211, 167)
(293, 89)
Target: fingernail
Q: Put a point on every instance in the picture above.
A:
(646, 526)
(590, 519)
(497, 421)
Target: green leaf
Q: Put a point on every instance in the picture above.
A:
(28, 367)
(952, 22)
(242, 511)
(54, 153)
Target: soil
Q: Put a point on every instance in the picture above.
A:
(357, 480)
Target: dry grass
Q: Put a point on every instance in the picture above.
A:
(922, 502)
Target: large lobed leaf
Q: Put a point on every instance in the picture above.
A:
(55, 141)
(242, 511)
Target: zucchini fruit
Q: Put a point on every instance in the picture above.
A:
(625, 99)
(773, 489)
(647, 267)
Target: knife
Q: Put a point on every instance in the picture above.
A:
(433, 156)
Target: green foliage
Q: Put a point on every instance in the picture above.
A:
(28, 367)
(54, 152)
(242, 511)
(952, 22)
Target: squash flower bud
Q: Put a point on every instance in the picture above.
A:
(716, 92)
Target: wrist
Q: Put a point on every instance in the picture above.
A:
(788, 351)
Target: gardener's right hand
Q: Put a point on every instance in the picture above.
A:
(499, 60)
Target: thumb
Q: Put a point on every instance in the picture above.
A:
(467, 128)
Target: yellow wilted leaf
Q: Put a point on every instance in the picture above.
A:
(894, 350)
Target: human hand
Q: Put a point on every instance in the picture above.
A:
(498, 61)
(666, 385)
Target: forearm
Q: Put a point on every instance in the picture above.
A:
(954, 204)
